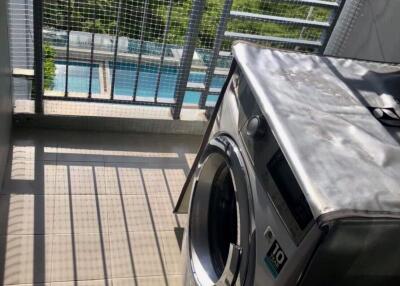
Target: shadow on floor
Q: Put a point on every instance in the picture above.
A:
(93, 208)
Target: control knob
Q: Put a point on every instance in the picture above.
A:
(256, 126)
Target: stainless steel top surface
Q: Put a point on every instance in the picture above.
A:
(347, 162)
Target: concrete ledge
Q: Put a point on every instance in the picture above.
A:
(28, 73)
(109, 117)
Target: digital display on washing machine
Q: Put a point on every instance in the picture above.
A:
(290, 190)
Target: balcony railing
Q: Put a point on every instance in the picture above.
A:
(158, 53)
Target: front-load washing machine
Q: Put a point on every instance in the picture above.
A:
(297, 181)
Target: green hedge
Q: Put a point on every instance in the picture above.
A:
(49, 66)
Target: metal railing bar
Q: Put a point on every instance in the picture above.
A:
(27, 28)
(139, 62)
(115, 49)
(116, 101)
(67, 53)
(38, 54)
(92, 50)
(279, 20)
(180, 204)
(272, 39)
(316, 3)
(166, 30)
(216, 50)
(187, 55)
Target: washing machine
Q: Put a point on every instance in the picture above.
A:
(297, 180)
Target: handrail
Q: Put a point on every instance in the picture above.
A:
(278, 19)
(272, 39)
(315, 3)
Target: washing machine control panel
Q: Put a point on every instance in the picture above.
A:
(271, 166)
(254, 130)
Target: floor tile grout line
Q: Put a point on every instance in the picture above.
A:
(85, 233)
(52, 223)
(144, 276)
(54, 214)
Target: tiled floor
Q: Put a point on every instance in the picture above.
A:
(81, 208)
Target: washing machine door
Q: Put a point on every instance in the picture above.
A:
(219, 221)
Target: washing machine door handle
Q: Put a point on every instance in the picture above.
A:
(230, 273)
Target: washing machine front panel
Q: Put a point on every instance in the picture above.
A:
(274, 223)
(285, 229)
(279, 260)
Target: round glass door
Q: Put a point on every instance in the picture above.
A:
(218, 217)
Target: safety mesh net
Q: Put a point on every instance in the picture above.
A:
(165, 52)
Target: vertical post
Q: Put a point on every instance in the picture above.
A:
(92, 50)
(142, 28)
(333, 17)
(166, 30)
(68, 36)
(38, 53)
(115, 49)
(219, 37)
(187, 55)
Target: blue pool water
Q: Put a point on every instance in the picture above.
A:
(78, 77)
(125, 80)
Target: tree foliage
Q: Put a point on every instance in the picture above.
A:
(100, 16)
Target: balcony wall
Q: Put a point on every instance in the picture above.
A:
(5, 89)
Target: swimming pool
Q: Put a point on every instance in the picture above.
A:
(125, 74)
(125, 80)
(78, 77)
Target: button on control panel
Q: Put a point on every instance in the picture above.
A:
(256, 126)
